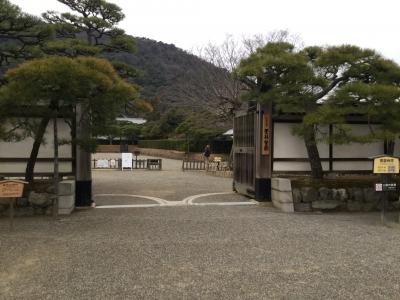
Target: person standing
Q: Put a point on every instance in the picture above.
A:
(207, 154)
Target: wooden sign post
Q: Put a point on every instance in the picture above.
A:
(11, 189)
(386, 166)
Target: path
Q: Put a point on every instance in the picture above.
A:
(195, 251)
(171, 186)
(207, 252)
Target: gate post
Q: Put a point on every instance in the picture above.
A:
(263, 152)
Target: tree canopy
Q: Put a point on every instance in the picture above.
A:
(300, 81)
(60, 82)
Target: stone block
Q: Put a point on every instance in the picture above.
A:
(282, 200)
(281, 184)
(285, 207)
(309, 194)
(65, 211)
(356, 194)
(342, 195)
(326, 204)
(66, 187)
(354, 206)
(370, 195)
(325, 194)
(40, 199)
(370, 205)
(67, 201)
(396, 204)
(302, 207)
(297, 197)
(283, 197)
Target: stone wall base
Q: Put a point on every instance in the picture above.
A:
(306, 199)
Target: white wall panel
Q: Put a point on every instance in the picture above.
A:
(353, 166)
(287, 145)
(40, 167)
(287, 166)
(22, 149)
(356, 150)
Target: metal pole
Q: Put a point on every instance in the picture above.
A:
(12, 214)
(56, 167)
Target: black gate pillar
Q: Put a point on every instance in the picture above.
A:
(263, 153)
(83, 167)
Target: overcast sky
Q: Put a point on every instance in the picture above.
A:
(191, 23)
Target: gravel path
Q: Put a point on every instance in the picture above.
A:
(196, 252)
(171, 183)
(199, 253)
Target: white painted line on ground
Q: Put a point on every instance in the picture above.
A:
(223, 203)
(189, 200)
(158, 200)
(129, 206)
(162, 202)
(174, 205)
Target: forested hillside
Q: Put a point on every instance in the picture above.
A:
(166, 73)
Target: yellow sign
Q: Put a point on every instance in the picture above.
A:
(265, 135)
(386, 165)
(11, 188)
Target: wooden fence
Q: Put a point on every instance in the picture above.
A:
(193, 165)
(149, 164)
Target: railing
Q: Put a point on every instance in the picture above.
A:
(193, 165)
(150, 164)
(154, 164)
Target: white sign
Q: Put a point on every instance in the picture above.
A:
(127, 160)
(113, 163)
(102, 163)
(378, 187)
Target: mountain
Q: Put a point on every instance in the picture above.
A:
(167, 73)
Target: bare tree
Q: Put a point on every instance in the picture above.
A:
(213, 85)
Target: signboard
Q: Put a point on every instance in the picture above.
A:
(265, 135)
(102, 163)
(11, 188)
(113, 163)
(385, 187)
(386, 165)
(127, 160)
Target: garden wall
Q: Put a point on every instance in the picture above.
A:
(356, 198)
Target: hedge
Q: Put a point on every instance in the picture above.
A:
(217, 146)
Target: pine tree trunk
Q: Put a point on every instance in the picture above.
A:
(56, 166)
(313, 153)
(29, 171)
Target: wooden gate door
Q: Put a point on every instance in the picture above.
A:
(244, 146)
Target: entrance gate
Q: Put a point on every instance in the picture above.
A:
(244, 152)
(252, 152)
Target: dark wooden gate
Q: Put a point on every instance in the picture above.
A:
(244, 146)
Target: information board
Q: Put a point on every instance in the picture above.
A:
(102, 163)
(386, 165)
(11, 188)
(127, 160)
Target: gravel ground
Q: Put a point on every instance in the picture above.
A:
(193, 252)
(199, 253)
(170, 184)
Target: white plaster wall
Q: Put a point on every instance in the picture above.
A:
(22, 149)
(287, 145)
(40, 167)
(286, 166)
(353, 166)
(356, 150)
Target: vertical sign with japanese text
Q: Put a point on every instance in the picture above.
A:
(265, 135)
